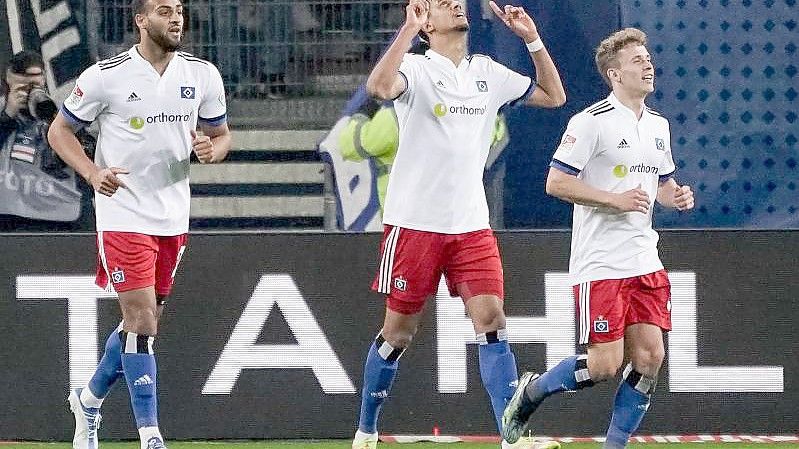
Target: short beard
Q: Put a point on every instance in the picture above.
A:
(164, 43)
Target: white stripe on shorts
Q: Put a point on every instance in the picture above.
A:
(387, 261)
(585, 312)
(177, 261)
(101, 251)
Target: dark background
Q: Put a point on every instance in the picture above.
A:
(746, 309)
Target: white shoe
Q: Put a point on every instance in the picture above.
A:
(87, 422)
(531, 443)
(364, 440)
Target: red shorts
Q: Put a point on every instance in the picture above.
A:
(412, 263)
(605, 308)
(132, 261)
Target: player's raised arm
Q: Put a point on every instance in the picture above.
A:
(385, 82)
(550, 92)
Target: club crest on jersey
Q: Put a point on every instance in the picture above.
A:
(400, 284)
(482, 86)
(187, 93)
(601, 325)
(660, 144)
(117, 276)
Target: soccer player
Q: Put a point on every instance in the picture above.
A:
(436, 216)
(148, 102)
(613, 162)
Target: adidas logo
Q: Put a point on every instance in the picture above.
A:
(133, 97)
(440, 84)
(143, 380)
(379, 394)
(623, 144)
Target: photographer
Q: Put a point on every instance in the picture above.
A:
(37, 190)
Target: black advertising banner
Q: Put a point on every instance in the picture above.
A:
(265, 335)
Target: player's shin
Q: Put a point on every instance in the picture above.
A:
(138, 362)
(108, 371)
(570, 374)
(629, 407)
(378, 375)
(497, 370)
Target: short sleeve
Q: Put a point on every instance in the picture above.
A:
(667, 167)
(577, 145)
(513, 87)
(87, 99)
(213, 106)
(409, 69)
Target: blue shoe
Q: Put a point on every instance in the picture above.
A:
(154, 443)
(87, 422)
(518, 410)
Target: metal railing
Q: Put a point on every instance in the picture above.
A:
(269, 49)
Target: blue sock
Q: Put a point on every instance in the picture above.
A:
(497, 370)
(109, 370)
(138, 363)
(378, 375)
(564, 376)
(629, 407)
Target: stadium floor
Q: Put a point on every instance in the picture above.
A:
(341, 444)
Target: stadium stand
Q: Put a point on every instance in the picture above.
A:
(271, 179)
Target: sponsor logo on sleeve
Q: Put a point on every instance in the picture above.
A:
(567, 143)
(75, 98)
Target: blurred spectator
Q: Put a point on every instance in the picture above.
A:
(266, 27)
(37, 189)
(366, 18)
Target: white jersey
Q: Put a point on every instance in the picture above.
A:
(608, 148)
(446, 122)
(145, 123)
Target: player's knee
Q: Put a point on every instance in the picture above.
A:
(648, 360)
(397, 338)
(141, 320)
(389, 351)
(491, 322)
(603, 366)
(604, 370)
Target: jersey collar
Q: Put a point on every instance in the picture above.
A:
(615, 102)
(445, 60)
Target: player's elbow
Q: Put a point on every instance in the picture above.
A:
(556, 99)
(554, 186)
(380, 91)
(559, 99)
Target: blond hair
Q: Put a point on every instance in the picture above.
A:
(608, 50)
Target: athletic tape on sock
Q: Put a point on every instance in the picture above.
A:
(133, 343)
(581, 374)
(386, 351)
(640, 382)
(492, 337)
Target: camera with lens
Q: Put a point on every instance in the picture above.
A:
(41, 106)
